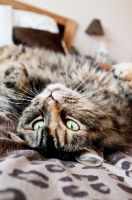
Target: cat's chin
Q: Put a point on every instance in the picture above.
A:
(56, 86)
(56, 153)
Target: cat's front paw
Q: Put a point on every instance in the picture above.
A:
(123, 71)
(16, 80)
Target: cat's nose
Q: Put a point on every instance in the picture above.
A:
(49, 98)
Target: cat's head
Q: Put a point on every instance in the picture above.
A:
(62, 119)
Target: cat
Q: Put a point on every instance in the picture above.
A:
(66, 106)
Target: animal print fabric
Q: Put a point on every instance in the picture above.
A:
(26, 175)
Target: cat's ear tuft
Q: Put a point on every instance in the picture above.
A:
(16, 138)
(89, 157)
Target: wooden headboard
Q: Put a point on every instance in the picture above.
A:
(69, 25)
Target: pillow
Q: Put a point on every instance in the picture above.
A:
(5, 25)
(29, 19)
(37, 38)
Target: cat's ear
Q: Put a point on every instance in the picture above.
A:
(89, 157)
(16, 138)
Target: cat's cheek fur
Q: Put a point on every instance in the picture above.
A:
(68, 140)
(30, 137)
(34, 138)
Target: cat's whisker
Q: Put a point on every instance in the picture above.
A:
(16, 93)
(113, 82)
(89, 84)
(109, 85)
(22, 96)
(19, 87)
(29, 90)
(11, 100)
(35, 90)
(41, 88)
(26, 88)
(75, 85)
(19, 98)
(16, 103)
(85, 79)
(91, 93)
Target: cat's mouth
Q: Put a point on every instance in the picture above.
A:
(52, 97)
(46, 97)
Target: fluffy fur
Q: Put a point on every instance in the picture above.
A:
(55, 89)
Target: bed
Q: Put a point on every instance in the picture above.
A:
(25, 174)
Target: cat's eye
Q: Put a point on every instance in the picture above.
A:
(72, 125)
(38, 124)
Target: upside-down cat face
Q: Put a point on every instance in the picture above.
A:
(63, 119)
(56, 112)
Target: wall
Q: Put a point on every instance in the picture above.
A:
(116, 18)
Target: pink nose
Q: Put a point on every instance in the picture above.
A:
(49, 98)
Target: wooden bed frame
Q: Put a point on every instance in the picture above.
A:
(69, 25)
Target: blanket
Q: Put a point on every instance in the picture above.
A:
(26, 175)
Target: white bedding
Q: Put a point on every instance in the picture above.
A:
(10, 18)
(29, 19)
(5, 25)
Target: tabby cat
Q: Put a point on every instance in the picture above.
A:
(66, 106)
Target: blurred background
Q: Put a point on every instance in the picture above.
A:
(116, 20)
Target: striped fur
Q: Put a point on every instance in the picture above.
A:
(56, 88)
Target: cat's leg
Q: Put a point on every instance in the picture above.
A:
(16, 85)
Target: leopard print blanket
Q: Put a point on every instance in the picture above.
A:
(26, 175)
